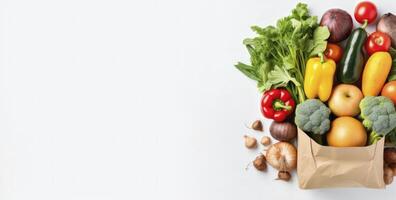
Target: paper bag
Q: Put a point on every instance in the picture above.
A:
(324, 166)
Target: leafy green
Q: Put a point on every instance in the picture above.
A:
(279, 77)
(248, 70)
(392, 73)
(278, 53)
(319, 42)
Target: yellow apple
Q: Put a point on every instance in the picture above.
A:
(345, 99)
(346, 132)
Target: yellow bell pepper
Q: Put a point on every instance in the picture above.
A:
(319, 75)
(375, 73)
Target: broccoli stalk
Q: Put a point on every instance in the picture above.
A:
(374, 137)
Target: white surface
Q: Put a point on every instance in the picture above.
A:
(129, 99)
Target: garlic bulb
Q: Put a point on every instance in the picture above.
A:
(265, 140)
(250, 142)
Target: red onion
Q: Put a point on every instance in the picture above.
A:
(339, 23)
(283, 131)
(387, 24)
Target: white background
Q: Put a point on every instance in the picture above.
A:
(121, 99)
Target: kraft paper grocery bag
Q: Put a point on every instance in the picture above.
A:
(323, 166)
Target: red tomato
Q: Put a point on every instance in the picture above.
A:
(365, 10)
(389, 90)
(333, 52)
(377, 41)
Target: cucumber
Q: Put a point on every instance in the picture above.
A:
(352, 62)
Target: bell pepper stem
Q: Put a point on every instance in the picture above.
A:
(321, 56)
(365, 24)
(279, 105)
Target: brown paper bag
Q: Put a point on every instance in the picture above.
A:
(323, 166)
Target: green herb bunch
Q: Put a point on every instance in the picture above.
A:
(278, 53)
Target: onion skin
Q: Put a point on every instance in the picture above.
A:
(283, 131)
(388, 175)
(339, 23)
(390, 155)
(282, 156)
(393, 167)
(387, 24)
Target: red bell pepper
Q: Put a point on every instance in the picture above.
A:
(277, 104)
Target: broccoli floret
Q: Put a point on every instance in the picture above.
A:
(313, 116)
(378, 114)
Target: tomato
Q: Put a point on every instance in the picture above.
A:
(365, 10)
(377, 41)
(389, 90)
(333, 52)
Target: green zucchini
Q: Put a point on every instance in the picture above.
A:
(352, 62)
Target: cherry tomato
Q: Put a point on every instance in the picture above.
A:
(333, 52)
(377, 41)
(365, 10)
(389, 90)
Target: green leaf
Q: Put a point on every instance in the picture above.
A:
(263, 71)
(296, 24)
(248, 70)
(321, 33)
(279, 77)
(264, 86)
(301, 11)
(319, 43)
(320, 47)
(392, 77)
(278, 53)
(288, 63)
(392, 73)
